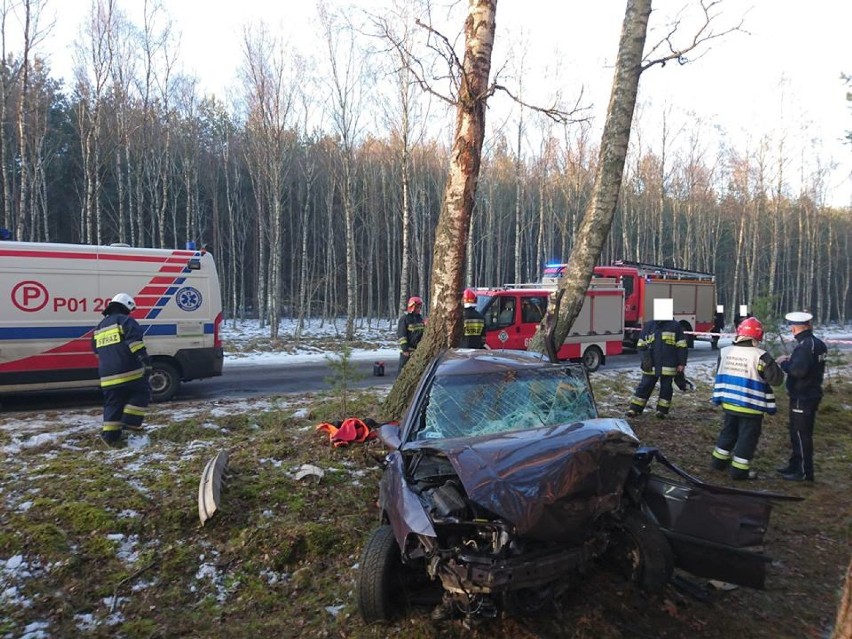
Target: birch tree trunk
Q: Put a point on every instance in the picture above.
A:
(597, 221)
(444, 326)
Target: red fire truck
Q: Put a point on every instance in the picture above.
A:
(514, 312)
(693, 292)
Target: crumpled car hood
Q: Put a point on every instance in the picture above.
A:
(550, 483)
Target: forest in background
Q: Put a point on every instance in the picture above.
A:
(318, 191)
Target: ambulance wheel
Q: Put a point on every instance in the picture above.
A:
(164, 381)
(592, 358)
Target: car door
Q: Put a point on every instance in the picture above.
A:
(502, 329)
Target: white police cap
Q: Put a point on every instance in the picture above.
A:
(798, 317)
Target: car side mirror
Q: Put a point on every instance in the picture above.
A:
(389, 435)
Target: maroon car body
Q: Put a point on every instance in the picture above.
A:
(503, 485)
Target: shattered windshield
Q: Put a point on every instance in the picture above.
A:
(475, 405)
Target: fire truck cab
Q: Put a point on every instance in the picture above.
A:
(513, 314)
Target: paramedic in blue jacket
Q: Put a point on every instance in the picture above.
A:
(123, 366)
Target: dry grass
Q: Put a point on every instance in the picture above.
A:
(111, 544)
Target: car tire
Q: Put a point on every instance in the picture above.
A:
(164, 380)
(641, 552)
(592, 358)
(379, 589)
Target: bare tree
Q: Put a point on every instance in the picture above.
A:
(270, 92)
(346, 84)
(614, 144)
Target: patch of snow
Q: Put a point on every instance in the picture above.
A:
(36, 630)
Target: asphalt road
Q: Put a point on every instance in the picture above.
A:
(240, 381)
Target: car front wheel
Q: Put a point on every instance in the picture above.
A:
(379, 589)
(641, 552)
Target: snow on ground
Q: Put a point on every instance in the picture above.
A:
(247, 344)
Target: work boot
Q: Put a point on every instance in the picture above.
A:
(631, 413)
(133, 428)
(112, 438)
(797, 476)
(785, 470)
(661, 414)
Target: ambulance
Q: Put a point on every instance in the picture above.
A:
(513, 314)
(53, 296)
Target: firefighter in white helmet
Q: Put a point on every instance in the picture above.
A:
(123, 366)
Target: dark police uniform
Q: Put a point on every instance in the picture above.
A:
(805, 370)
(122, 365)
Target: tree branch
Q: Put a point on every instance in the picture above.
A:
(553, 112)
(704, 34)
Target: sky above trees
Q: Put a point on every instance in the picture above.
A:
(781, 77)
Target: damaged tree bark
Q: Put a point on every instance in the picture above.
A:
(443, 327)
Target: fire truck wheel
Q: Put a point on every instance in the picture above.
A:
(164, 381)
(592, 358)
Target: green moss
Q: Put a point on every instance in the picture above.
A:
(84, 518)
(47, 539)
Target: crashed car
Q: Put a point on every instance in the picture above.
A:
(502, 486)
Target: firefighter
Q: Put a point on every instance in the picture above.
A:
(745, 375)
(805, 368)
(663, 348)
(410, 329)
(474, 322)
(123, 366)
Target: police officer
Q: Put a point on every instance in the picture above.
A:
(473, 334)
(123, 366)
(745, 375)
(663, 348)
(409, 330)
(805, 368)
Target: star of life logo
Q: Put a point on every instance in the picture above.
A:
(188, 299)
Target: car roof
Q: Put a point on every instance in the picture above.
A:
(467, 361)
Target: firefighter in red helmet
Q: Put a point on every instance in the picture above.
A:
(473, 331)
(409, 330)
(745, 375)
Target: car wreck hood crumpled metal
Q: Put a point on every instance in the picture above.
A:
(550, 483)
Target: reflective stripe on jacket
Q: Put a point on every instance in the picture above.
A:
(664, 344)
(118, 343)
(743, 379)
(473, 333)
(410, 331)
